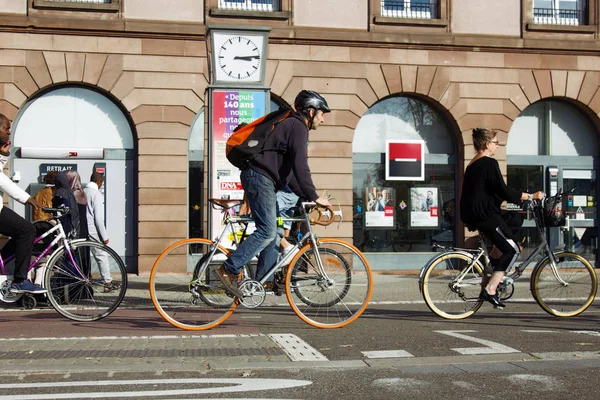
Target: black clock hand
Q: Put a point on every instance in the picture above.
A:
(246, 58)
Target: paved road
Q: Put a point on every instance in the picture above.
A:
(397, 348)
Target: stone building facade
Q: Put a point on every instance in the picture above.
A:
(474, 64)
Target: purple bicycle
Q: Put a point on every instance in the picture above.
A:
(86, 280)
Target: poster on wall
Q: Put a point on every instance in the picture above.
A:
(229, 109)
(424, 207)
(405, 160)
(379, 207)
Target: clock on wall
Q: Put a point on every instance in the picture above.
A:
(238, 56)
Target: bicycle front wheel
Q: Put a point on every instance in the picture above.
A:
(335, 296)
(184, 287)
(77, 281)
(451, 286)
(567, 291)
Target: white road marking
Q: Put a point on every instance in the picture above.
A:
(491, 347)
(387, 354)
(542, 382)
(296, 348)
(591, 333)
(538, 331)
(400, 385)
(231, 386)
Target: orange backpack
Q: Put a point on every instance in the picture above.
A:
(248, 141)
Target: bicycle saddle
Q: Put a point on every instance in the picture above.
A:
(227, 204)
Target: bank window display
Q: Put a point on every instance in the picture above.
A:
(555, 135)
(403, 215)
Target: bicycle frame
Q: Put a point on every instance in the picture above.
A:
(476, 255)
(61, 236)
(230, 221)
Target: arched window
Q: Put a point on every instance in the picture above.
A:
(76, 127)
(552, 145)
(403, 118)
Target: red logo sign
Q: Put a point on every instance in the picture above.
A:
(231, 186)
(433, 211)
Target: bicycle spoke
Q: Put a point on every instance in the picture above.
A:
(335, 297)
(78, 289)
(445, 293)
(185, 289)
(567, 290)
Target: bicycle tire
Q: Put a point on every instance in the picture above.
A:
(332, 303)
(557, 299)
(78, 291)
(175, 286)
(440, 292)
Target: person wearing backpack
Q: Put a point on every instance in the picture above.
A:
(269, 171)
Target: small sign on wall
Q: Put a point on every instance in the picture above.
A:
(405, 160)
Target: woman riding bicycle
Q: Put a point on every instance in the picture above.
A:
(483, 192)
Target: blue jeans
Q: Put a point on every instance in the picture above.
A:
(286, 202)
(261, 195)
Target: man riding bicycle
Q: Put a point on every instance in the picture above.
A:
(268, 172)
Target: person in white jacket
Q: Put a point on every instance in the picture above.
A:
(96, 228)
(21, 232)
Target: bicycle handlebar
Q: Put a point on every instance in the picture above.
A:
(531, 204)
(57, 213)
(312, 206)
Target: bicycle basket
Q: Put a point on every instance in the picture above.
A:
(553, 214)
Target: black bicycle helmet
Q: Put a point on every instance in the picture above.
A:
(308, 98)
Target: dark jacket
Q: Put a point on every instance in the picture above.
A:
(290, 140)
(483, 192)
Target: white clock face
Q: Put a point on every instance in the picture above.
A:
(238, 58)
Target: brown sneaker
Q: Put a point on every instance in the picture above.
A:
(230, 281)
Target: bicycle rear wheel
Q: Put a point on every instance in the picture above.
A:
(569, 292)
(185, 289)
(442, 291)
(77, 286)
(337, 298)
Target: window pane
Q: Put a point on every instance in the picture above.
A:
(542, 4)
(526, 133)
(402, 118)
(571, 134)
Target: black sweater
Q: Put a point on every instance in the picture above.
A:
(290, 137)
(483, 192)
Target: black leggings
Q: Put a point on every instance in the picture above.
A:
(501, 232)
(22, 235)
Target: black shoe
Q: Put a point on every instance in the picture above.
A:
(492, 298)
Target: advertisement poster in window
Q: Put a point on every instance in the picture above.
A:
(424, 207)
(379, 207)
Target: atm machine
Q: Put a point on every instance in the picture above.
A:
(580, 232)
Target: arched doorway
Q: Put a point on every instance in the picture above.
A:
(76, 127)
(404, 118)
(552, 145)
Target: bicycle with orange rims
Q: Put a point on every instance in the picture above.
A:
(328, 282)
